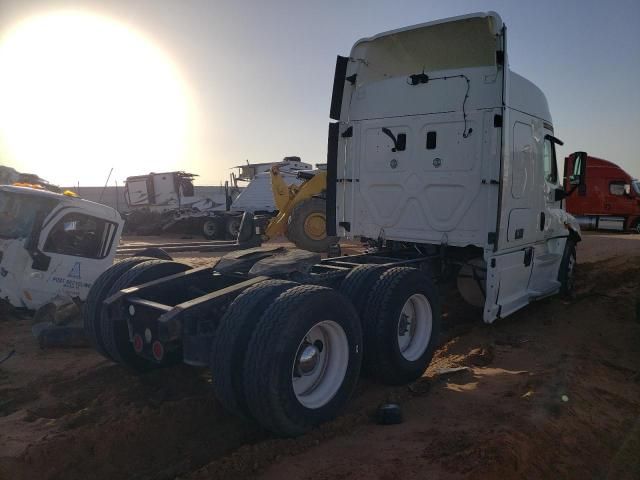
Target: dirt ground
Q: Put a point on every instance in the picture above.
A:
(552, 391)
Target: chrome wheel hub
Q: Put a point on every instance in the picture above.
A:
(320, 364)
(309, 358)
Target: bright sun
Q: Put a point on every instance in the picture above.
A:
(81, 93)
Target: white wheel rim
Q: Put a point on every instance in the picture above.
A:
(320, 364)
(414, 327)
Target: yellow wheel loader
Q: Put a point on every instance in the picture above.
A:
(301, 211)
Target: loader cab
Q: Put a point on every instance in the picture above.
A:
(437, 142)
(52, 246)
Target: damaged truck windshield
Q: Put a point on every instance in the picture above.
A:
(18, 213)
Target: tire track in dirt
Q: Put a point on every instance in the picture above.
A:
(71, 415)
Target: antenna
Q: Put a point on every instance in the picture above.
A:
(105, 184)
(117, 200)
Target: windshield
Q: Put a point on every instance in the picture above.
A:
(636, 186)
(18, 213)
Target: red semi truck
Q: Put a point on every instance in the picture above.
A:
(611, 201)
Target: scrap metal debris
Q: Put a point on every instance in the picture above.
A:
(8, 356)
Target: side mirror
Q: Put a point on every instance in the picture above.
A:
(578, 177)
(559, 194)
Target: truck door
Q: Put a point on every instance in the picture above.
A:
(520, 197)
(76, 248)
(551, 232)
(510, 264)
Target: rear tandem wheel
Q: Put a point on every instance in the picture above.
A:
(303, 360)
(115, 331)
(401, 326)
(99, 292)
(232, 337)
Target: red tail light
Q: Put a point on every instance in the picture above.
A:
(137, 343)
(158, 350)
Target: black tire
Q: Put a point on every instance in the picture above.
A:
(274, 346)
(115, 333)
(211, 229)
(232, 227)
(296, 232)
(358, 283)
(99, 292)
(153, 252)
(567, 272)
(232, 338)
(381, 322)
(328, 279)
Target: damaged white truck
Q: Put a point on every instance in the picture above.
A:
(443, 160)
(52, 246)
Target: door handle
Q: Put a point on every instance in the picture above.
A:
(542, 221)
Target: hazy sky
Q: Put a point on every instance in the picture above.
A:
(258, 75)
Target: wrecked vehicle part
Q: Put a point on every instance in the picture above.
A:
(52, 246)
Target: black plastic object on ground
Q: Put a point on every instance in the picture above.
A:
(389, 414)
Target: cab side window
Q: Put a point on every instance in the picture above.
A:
(619, 188)
(81, 235)
(549, 162)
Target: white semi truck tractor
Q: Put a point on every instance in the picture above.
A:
(443, 159)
